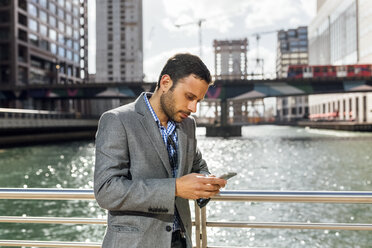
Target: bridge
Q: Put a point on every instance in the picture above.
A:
(227, 103)
(222, 89)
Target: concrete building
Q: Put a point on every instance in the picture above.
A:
(341, 34)
(292, 49)
(292, 108)
(230, 59)
(355, 107)
(43, 42)
(119, 56)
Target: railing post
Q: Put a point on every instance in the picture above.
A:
(197, 225)
(204, 226)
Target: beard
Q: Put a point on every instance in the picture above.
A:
(167, 103)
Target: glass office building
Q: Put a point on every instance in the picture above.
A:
(43, 42)
(292, 49)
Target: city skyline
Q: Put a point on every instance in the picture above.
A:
(222, 21)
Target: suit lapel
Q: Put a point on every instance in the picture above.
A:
(182, 149)
(153, 132)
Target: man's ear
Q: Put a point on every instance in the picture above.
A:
(165, 83)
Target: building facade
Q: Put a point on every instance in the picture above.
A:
(341, 33)
(230, 59)
(292, 108)
(292, 49)
(119, 53)
(43, 43)
(356, 107)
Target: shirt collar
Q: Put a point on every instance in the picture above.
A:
(171, 125)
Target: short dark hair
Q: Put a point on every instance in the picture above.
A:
(183, 65)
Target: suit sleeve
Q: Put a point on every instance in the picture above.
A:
(114, 188)
(199, 164)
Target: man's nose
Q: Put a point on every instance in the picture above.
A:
(192, 106)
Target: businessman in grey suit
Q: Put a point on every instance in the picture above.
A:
(148, 164)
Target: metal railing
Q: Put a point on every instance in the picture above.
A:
(200, 222)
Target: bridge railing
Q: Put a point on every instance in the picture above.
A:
(200, 222)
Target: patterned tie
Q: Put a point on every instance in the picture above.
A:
(172, 153)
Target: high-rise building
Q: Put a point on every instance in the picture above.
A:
(119, 56)
(43, 42)
(230, 58)
(292, 49)
(341, 33)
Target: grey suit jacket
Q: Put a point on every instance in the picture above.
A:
(133, 178)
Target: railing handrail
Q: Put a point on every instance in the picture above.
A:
(227, 195)
(200, 223)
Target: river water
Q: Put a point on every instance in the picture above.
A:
(265, 158)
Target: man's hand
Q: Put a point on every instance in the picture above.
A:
(195, 186)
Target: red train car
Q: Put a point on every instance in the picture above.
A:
(329, 71)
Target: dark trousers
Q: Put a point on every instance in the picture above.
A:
(178, 241)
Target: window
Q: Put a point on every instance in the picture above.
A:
(61, 14)
(61, 39)
(76, 34)
(53, 48)
(69, 43)
(76, 46)
(68, 6)
(32, 9)
(43, 3)
(43, 16)
(68, 30)
(69, 18)
(61, 2)
(32, 24)
(4, 17)
(53, 34)
(43, 30)
(61, 26)
(4, 52)
(76, 58)
(52, 21)
(52, 8)
(4, 3)
(75, 11)
(76, 23)
(22, 35)
(61, 51)
(33, 39)
(44, 45)
(69, 54)
(22, 19)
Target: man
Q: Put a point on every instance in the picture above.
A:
(148, 164)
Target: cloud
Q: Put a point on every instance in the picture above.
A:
(269, 57)
(268, 13)
(154, 64)
(217, 13)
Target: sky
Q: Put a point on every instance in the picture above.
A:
(224, 19)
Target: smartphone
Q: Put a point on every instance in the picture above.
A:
(203, 201)
(227, 175)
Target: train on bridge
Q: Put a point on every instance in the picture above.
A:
(330, 71)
